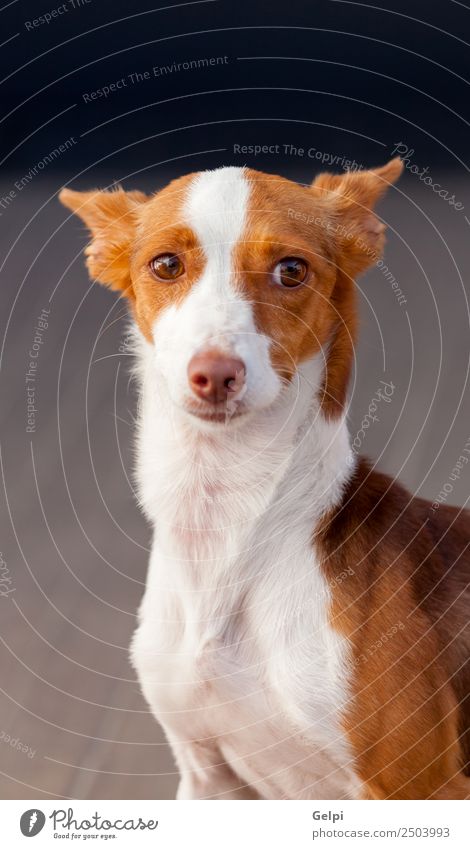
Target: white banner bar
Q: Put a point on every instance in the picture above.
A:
(235, 824)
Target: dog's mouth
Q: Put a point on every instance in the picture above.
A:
(217, 415)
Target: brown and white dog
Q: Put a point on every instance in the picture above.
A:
(304, 631)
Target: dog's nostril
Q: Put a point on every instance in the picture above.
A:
(200, 380)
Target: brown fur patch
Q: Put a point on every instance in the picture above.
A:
(332, 226)
(405, 612)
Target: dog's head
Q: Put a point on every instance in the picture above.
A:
(238, 277)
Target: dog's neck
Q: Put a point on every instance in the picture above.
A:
(204, 489)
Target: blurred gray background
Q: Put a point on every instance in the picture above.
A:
(74, 546)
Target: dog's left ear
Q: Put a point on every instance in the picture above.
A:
(112, 219)
(350, 199)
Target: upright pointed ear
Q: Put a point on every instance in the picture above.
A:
(350, 199)
(111, 218)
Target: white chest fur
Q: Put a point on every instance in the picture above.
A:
(234, 649)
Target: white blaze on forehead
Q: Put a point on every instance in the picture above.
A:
(216, 209)
(215, 312)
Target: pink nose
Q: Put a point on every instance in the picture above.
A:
(213, 376)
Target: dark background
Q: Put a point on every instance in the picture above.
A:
(359, 76)
(345, 78)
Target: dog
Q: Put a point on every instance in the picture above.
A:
(304, 630)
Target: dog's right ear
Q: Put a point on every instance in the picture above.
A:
(111, 218)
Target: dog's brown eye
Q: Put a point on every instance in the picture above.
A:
(167, 266)
(290, 272)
